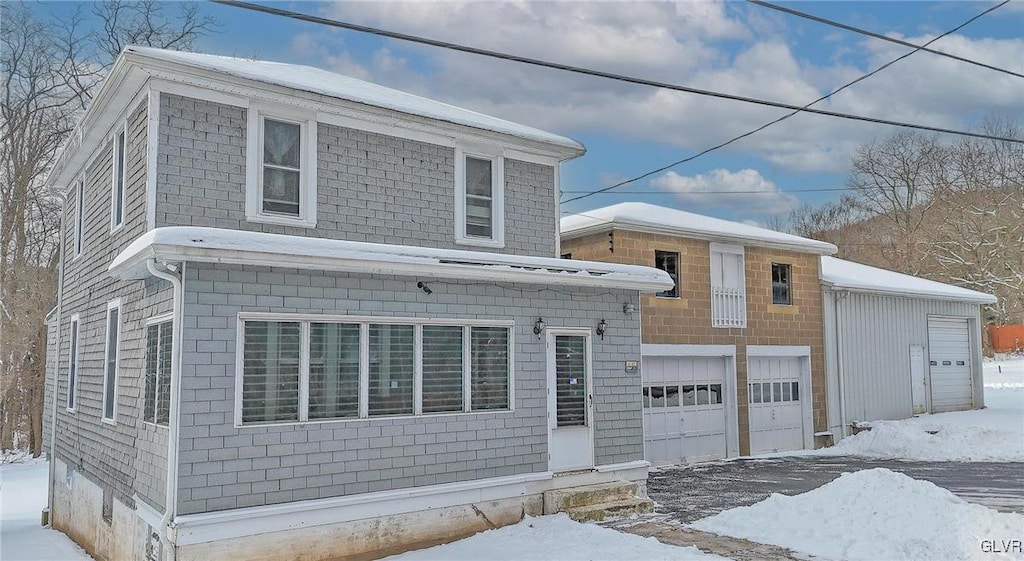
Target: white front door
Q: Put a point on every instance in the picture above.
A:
(918, 381)
(775, 394)
(570, 400)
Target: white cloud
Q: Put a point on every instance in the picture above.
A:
(743, 192)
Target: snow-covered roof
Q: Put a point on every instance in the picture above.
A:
(317, 80)
(216, 245)
(658, 219)
(839, 273)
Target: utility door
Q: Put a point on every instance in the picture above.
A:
(570, 400)
(918, 380)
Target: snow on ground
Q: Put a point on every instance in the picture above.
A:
(873, 514)
(1004, 371)
(22, 499)
(544, 538)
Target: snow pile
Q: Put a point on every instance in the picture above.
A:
(932, 440)
(22, 499)
(545, 538)
(870, 515)
(1003, 372)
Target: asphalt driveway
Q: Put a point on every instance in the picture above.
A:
(689, 493)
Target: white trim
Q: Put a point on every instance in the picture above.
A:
(306, 120)
(779, 350)
(112, 305)
(364, 323)
(152, 151)
(648, 349)
(734, 249)
(552, 395)
(148, 514)
(205, 94)
(75, 329)
(215, 245)
(558, 209)
(237, 523)
(118, 160)
(159, 318)
(79, 227)
(497, 160)
(635, 464)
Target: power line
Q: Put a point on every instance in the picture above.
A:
(788, 115)
(829, 22)
(596, 73)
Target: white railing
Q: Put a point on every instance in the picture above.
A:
(728, 307)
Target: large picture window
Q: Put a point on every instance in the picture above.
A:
(157, 396)
(299, 371)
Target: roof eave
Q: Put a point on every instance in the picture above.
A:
(840, 287)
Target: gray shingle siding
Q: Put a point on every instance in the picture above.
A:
(126, 458)
(370, 187)
(224, 467)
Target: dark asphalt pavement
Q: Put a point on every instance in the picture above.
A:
(689, 493)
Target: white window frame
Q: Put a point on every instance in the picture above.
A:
(118, 162)
(155, 320)
(497, 159)
(79, 218)
(112, 305)
(75, 334)
(364, 327)
(307, 121)
(717, 282)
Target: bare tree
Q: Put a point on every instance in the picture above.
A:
(50, 70)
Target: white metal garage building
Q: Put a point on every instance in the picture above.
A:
(897, 345)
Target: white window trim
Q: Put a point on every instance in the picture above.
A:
(307, 121)
(497, 160)
(118, 160)
(113, 304)
(364, 343)
(155, 320)
(79, 230)
(727, 249)
(71, 401)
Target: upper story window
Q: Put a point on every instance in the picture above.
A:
(782, 292)
(281, 167)
(479, 199)
(111, 361)
(728, 286)
(669, 262)
(119, 174)
(79, 215)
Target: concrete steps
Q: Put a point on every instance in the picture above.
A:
(598, 502)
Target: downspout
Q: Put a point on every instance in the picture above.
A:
(840, 353)
(172, 274)
(56, 372)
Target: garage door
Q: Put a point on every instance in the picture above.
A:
(774, 392)
(949, 364)
(684, 409)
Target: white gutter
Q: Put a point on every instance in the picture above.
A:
(980, 298)
(170, 503)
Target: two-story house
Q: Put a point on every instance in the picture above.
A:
(305, 316)
(733, 352)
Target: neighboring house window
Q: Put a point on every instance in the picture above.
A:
(119, 164)
(281, 167)
(79, 215)
(781, 287)
(111, 360)
(73, 363)
(479, 199)
(669, 262)
(728, 286)
(366, 369)
(158, 373)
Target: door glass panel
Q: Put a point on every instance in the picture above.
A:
(778, 391)
(689, 396)
(658, 396)
(702, 394)
(672, 396)
(786, 392)
(796, 391)
(716, 394)
(571, 381)
(647, 397)
(755, 393)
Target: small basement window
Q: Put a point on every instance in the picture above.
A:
(781, 284)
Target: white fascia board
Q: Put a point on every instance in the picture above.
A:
(230, 524)
(820, 248)
(663, 350)
(895, 293)
(394, 121)
(779, 350)
(214, 245)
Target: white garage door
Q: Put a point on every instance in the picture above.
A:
(949, 360)
(684, 409)
(774, 393)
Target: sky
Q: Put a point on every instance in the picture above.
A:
(732, 47)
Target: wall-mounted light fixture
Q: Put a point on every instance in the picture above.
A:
(601, 328)
(538, 326)
(426, 289)
(628, 308)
